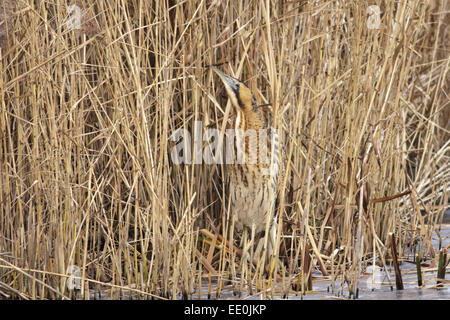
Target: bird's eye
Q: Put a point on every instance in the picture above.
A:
(238, 96)
(236, 89)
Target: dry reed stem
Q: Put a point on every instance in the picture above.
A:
(86, 175)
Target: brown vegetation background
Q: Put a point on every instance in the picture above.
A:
(86, 117)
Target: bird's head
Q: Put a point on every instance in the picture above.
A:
(238, 92)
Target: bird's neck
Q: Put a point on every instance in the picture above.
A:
(250, 120)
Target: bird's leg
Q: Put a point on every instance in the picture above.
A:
(247, 243)
(259, 247)
(265, 253)
(272, 237)
(271, 247)
(251, 257)
(244, 245)
(252, 238)
(244, 254)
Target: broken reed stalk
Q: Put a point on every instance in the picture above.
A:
(441, 267)
(398, 274)
(306, 285)
(419, 271)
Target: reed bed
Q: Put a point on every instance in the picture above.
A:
(91, 200)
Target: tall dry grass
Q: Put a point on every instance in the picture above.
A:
(86, 116)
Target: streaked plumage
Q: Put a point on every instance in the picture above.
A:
(252, 186)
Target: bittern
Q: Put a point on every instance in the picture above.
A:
(252, 184)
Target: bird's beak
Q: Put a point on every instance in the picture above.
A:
(227, 80)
